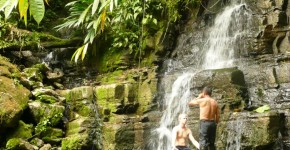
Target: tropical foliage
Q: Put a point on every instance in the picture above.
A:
(90, 15)
(36, 8)
(124, 22)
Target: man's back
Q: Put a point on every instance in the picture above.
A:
(208, 108)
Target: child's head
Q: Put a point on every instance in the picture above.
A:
(182, 118)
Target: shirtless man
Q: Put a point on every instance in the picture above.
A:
(180, 135)
(209, 118)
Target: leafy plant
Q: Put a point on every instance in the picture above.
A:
(46, 122)
(127, 22)
(36, 8)
(91, 15)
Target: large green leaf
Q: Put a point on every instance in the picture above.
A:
(95, 6)
(85, 51)
(23, 7)
(9, 7)
(37, 10)
(82, 17)
(3, 4)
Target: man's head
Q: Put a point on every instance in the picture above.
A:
(182, 118)
(207, 91)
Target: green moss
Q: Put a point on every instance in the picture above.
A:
(47, 99)
(72, 143)
(48, 116)
(42, 67)
(112, 77)
(6, 62)
(23, 131)
(83, 110)
(12, 103)
(34, 74)
(109, 136)
(13, 144)
(52, 135)
(4, 71)
(79, 94)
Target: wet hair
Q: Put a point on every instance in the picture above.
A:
(207, 90)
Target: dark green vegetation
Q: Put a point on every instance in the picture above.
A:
(117, 33)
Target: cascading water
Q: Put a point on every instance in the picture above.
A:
(219, 52)
(224, 39)
(176, 102)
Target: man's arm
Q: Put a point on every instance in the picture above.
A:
(194, 102)
(193, 141)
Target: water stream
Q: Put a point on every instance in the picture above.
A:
(225, 37)
(220, 51)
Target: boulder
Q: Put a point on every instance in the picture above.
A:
(45, 115)
(248, 130)
(12, 103)
(79, 135)
(19, 144)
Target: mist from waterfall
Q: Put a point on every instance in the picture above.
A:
(219, 52)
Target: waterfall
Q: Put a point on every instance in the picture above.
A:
(49, 57)
(175, 103)
(219, 52)
(225, 37)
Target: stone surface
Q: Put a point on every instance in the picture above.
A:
(12, 103)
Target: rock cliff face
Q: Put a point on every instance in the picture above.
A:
(122, 109)
(38, 112)
(261, 76)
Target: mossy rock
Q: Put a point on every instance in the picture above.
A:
(18, 144)
(13, 100)
(80, 100)
(110, 96)
(80, 93)
(23, 131)
(52, 136)
(76, 142)
(34, 74)
(282, 73)
(109, 134)
(125, 137)
(4, 71)
(228, 85)
(79, 134)
(47, 99)
(40, 112)
(41, 67)
(11, 67)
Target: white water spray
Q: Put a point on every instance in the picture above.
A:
(175, 103)
(224, 36)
